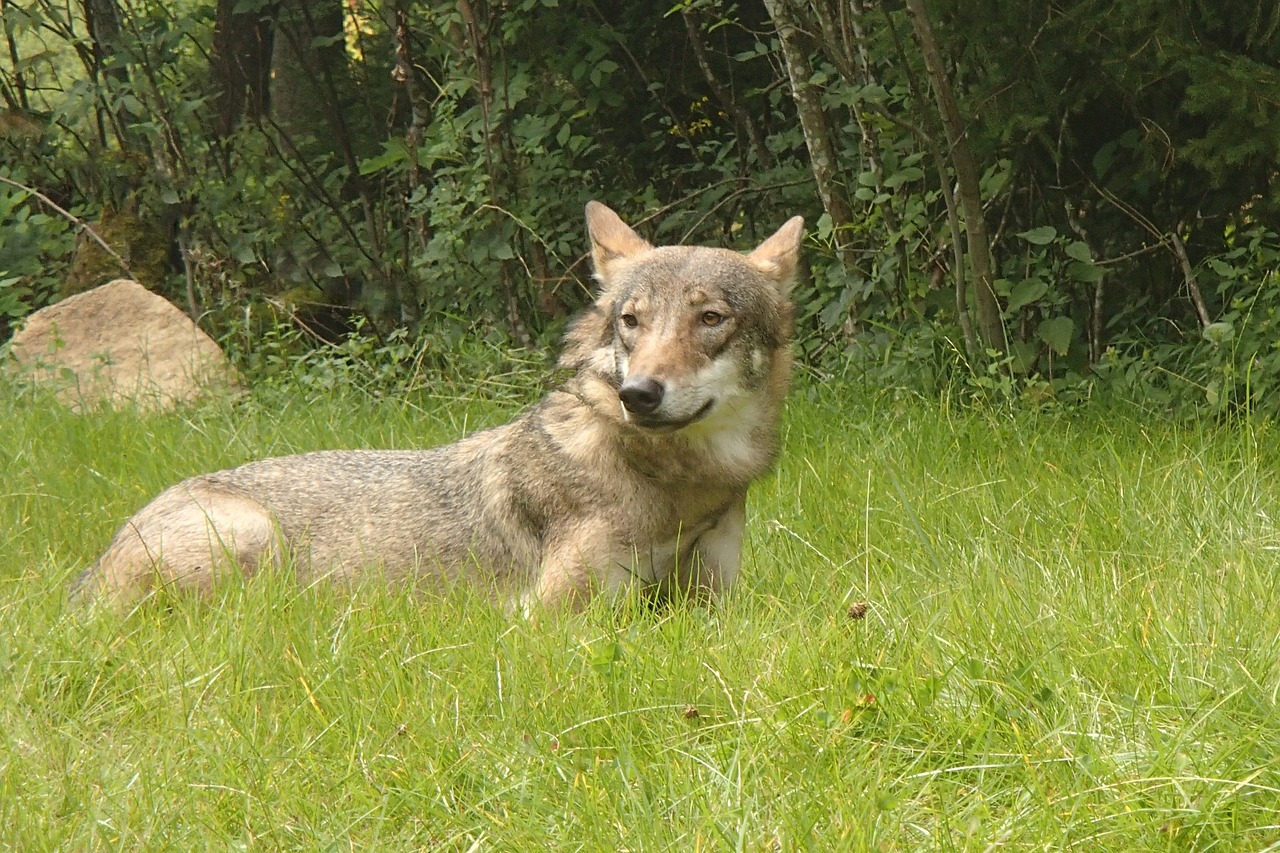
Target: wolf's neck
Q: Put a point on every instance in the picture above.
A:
(728, 449)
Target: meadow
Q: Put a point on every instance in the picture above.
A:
(956, 629)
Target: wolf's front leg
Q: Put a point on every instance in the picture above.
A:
(716, 556)
(566, 579)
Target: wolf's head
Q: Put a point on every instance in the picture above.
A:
(683, 335)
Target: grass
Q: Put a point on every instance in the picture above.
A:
(1071, 641)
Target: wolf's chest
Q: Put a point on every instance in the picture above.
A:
(656, 560)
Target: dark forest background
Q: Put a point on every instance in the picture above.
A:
(1057, 198)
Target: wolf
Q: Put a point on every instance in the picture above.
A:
(633, 474)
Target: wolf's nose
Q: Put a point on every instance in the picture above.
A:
(642, 395)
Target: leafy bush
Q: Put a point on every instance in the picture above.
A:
(445, 197)
(33, 254)
(1232, 365)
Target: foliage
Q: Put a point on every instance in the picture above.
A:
(1231, 366)
(423, 166)
(32, 254)
(277, 357)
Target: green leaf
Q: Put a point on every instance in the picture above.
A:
(243, 252)
(604, 656)
(1025, 292)
(602, 69)
(1084, 272)
(1102, 160)
(394, 152)
(996, 179)
(1223, 270)
(824, 226)
(835, 311)
(1042, 236)
(132, 104)
(1024, 354)
(1079, 251)
(903, 176)
(1057, 333)
(1219, 333)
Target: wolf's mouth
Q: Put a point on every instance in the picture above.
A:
(666, 425)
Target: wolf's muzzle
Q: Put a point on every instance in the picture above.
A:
(642, 395)
(642, 398)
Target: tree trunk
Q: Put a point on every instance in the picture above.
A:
(105, 67)
(309, 71)
(407, 74)
(990, 325)
(845, 44)
(241, 63)
(814, 124)
(741, 118)
(15, 95)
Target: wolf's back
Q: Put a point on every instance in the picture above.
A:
(332, 513)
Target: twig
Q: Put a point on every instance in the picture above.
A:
(1171, 240)
(71, 217)
(741, 117)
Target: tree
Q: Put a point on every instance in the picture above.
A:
(978, 178)
(818, 136)
(978, 245)
(241, 61)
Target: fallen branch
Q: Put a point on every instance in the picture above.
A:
(1189, 275)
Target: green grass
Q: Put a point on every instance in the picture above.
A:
(1072, 642)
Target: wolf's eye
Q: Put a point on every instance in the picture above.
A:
(629, 320)
(712, 318)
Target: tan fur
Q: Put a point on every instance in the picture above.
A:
(634, 473)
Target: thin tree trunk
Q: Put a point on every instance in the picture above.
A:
(814, 124)
(102, 19)
(406, 74)
(1096, 303)
(693, 26)
(1189, 275)
(241, 63)
(847, 47)
(957, 261)
(16, 96)
(473, 38)
(990, 325)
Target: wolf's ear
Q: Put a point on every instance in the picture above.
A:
(612, 240)
(777, 257)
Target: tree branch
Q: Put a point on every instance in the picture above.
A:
(70, 217)
(1189, 275)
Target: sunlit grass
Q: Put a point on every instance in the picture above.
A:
(1070, 640)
